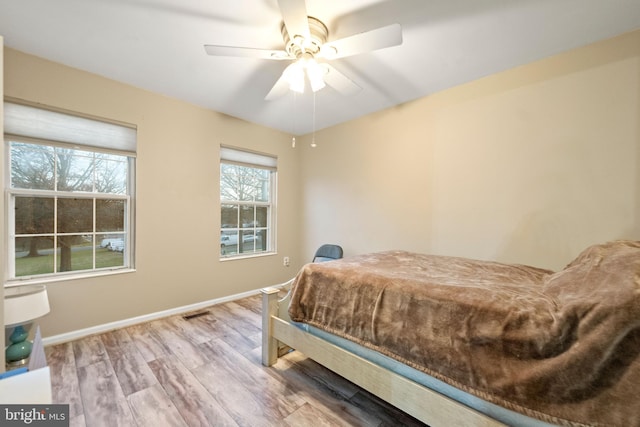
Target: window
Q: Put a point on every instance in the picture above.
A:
(247, 202)
(70, 205)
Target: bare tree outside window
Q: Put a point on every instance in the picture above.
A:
(66, 202)
(246, 198)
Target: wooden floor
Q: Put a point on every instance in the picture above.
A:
(204, 371)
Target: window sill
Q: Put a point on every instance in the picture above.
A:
(240, 257)
(65, 278)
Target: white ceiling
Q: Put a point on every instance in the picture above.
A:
(158, 45)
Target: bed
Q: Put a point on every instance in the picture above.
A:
(455, 341)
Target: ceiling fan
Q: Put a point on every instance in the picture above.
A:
(305, 40)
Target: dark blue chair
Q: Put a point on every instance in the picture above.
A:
(327, 253)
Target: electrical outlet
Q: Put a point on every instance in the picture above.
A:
(285, 261)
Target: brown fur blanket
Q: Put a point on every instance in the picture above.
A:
(563, 347)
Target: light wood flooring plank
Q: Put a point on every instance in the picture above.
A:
(253, 303)
(254, 377)
(180, 346)
(238, 322)
(64, 377)
(195, 404)
(211, 326)
(103, 400)
(117, 343)
(241, 342)
(248, 317)
(148, 342)
(245, 408)
(133, 373)
(152, 407)
(89, 350)
(77, 421)
(308, 415)
(249, 394)
(196, 332)
(130, 367)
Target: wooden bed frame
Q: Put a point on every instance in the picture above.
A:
(416, 400)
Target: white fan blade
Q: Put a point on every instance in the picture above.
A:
(247, 52)
(280, 88)
(379, 38)
(343, 84)
(294, 15)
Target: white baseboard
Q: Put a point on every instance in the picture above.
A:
(81, 333)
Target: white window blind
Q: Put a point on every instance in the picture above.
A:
(41, 123)
(248, 158)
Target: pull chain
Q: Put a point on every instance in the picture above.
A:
(293, 138)
(313, 134)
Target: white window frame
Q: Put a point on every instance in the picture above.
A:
(256, 160)
(27, 126)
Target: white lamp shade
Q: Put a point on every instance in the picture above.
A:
(22, 304)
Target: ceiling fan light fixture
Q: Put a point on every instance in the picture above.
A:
(315, 75)
(305, 38)
(295, 76)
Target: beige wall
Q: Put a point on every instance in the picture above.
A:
(177, 209)
(530, 165)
